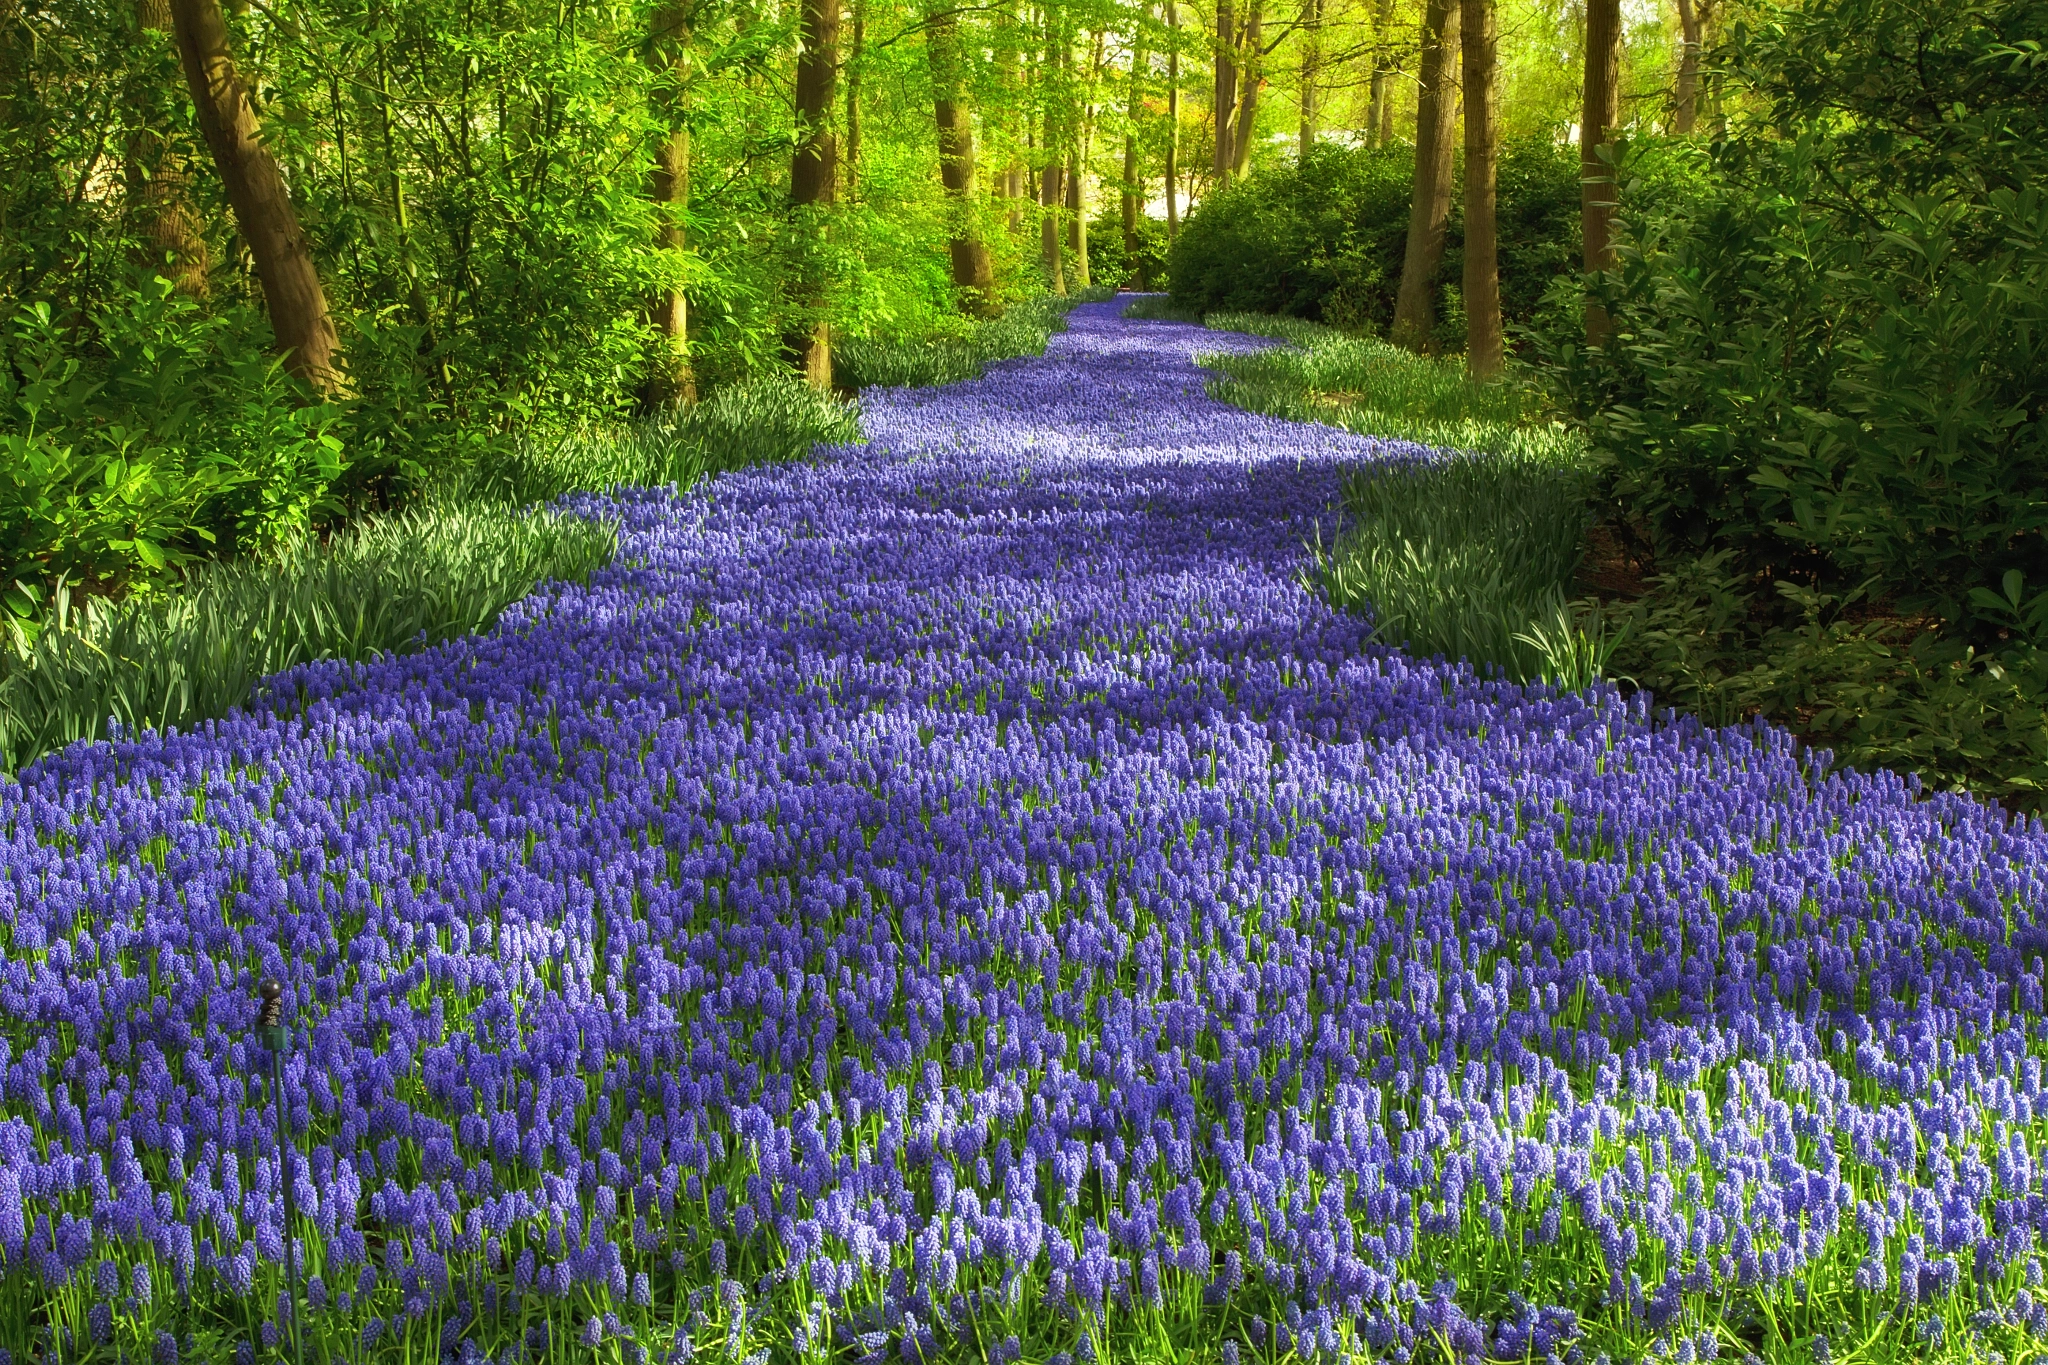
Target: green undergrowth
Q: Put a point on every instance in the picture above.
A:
(395, 583)
(1467, 557)
(961, 350)
(1468, 552)
(388, 584)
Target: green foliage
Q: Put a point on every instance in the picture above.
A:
(146, 434)
(1469, 557)
(1829, 362)
(392, 584)
(959, 349)
(774, 419)
(1323, 239)
(1111, 265)
(1380, 389)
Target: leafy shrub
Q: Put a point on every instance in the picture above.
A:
(1323, 239)
(402, 582)
(963, 350)
(1827, 365)
(1111, 266)
(146, 434)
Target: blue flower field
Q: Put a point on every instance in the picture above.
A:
(964, 899)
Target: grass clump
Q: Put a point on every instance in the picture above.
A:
(1470, 554)
(961, 351)
(406, 581)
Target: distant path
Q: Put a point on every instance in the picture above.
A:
(987, 820)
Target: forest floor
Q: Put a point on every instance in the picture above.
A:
(967, 892)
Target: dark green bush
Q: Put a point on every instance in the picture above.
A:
(1110, 265)
(1846, 392)
(1323, 239)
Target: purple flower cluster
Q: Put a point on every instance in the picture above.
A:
(970, 875)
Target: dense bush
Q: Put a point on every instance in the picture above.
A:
(1111, 265)
(1323, 239)
(958, 350)
(1843, 389)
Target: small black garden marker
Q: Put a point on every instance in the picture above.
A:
(278, 1038)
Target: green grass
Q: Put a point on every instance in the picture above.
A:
(1471, 556)
(394, 583)
(389, 585)
(961, 350)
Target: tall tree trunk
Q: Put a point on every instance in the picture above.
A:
(853, 74)
(264, 216)
(1379, 114)
(1484, 350)
(1251, 74)
(1597, 149)
(1081, 155)
(671, 379)
(1134, 181)
(1436, 117)
(1052, 180)
(1172, 119)
(813, 177)
(1693, 17)
(1311, 71)
(1226, 88)
(1013, 170)
(974, 276)
(157, 170)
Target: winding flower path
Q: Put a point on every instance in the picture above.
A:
(970, 877)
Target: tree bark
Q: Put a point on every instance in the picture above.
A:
(157, 170)
(1013, 170)
(1597, 200)
(1226, 88)
(1052, 177)
(1134, 182)
(262, 203)
(1693, 17)
(1250, 75)
(813, 177)
(974, 277)
(853, 73)
(1378, 117)
(1484, 349)
(1080, 155)
(1173, 119)
(671, 379)
(1436, 117)
(1311, 71)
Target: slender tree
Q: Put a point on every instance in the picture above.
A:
(1013, 170)
(1225, 110)
(974, 278)
(1379, 112)
(859, 13)
(1311, 70)
(156, 168)
(1134, 175)
(671, 379)
(1081, 155)
(1484, 349)
(813, 175)
(264, 216)
(1693, 18)
(1597, 150)
(1436, 116)
(1250, 76)
(1172, 118)
(1052, 180)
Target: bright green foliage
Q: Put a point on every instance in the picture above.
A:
(1469, 556)
(1109, 263)
(149, 434)
(770, 420)
(950, 353)
(391, 584)
(1324, 239)
(1373, 387)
